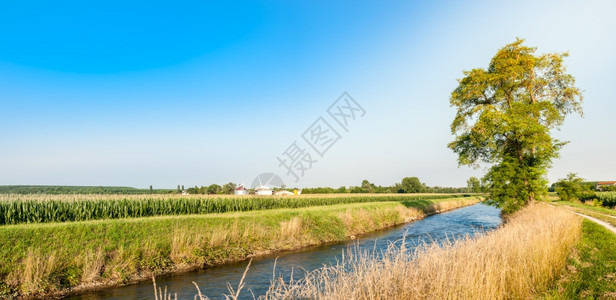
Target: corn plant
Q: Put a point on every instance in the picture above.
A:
(66, 208)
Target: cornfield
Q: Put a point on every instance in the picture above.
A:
(17, 209)
(605, 198)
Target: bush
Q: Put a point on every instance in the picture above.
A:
(569, 188)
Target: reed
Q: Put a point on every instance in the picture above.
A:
(517, 261)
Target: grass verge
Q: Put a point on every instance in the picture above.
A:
(604, 214)
(591, 269)
(56, 258)
(518, 261)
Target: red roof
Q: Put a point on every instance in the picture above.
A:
(606, 182)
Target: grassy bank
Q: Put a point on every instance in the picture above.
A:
(598, 209)
(591, 269)
(598, 212)
(17, 209)
(43, 259)
(517, 261)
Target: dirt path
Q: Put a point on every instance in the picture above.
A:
(607, 225)
(598, 213)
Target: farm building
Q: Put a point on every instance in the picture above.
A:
(602, 184)
(240, 190)
(263, 191)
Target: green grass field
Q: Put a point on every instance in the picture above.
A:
(599, 209)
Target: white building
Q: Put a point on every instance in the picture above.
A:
(240, 190)
(263, 191)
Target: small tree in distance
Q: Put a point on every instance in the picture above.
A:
(474, 185)
(213, 189)
(412, 185)
(228, 188)
(569, 188)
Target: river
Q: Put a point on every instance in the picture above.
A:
(213, 281)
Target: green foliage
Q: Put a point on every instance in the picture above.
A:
(45, 211)
(412, 185)
(228, 188)
(319, 190)
(504, 117)
(214, 189)
(569, 188)
(367, 187)
(474, 185)
(609, 188)
(607, 199)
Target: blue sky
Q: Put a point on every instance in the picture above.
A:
(194, 93)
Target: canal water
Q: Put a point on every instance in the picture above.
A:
(213, 281)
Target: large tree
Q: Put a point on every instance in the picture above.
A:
(505, 115)
(412, 185)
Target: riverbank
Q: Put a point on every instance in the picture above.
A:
(55, 259)
(520, 260)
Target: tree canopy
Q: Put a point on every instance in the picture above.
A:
(569, 188)
(474, 185)
(412, 185)
(504, 117)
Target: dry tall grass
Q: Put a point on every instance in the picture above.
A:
(93, 262)
(516, 261)
(36, 268)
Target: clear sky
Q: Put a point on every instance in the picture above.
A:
(135, 93)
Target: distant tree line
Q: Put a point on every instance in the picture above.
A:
(407, 185)
(213, 189)
(584, 185)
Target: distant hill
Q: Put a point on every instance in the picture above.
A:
(61, 189)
